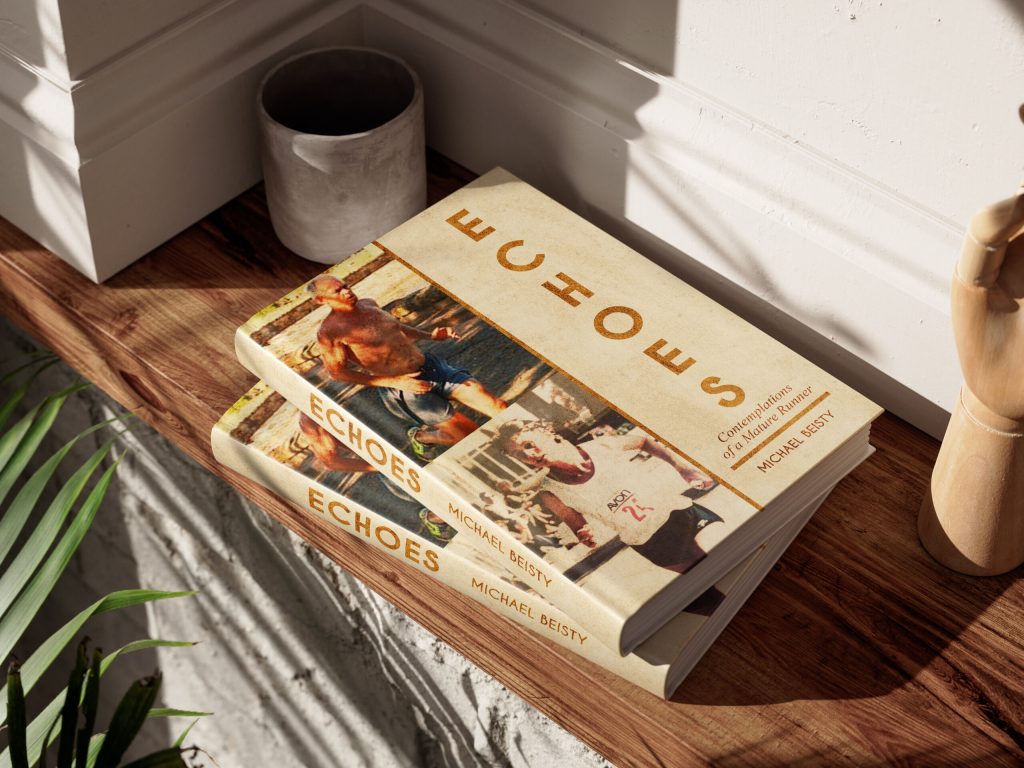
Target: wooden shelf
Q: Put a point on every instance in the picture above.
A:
(858, 649)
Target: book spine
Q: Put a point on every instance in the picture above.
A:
(446, 564)
(487, 535)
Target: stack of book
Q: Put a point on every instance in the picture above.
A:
(506, 397)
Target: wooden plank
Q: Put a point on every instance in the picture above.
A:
(858, 649)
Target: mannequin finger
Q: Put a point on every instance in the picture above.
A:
(990, 231)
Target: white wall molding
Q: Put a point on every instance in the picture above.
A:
(155, 135)
(699, 187)
(137, 144)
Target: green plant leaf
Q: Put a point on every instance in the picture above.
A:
(32, 358)
(95, 745)
(47, 739)
(37, 729)
(19, 394)
(12, 438)
(21, 507)
(17, 619)
(165, 758)
(47, 528)
(171, 712)
(19, 443)
(178, 742)
(128, 718)
(16, 724)
(90, 705)
(69, 710)
(50, 649)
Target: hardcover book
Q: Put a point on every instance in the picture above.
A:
(267, 439)
(507, 363)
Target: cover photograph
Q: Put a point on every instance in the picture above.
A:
(267, 439)
(615, 438)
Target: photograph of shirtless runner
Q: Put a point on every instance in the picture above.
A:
(363, 344)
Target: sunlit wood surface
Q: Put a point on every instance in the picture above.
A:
(857, 650)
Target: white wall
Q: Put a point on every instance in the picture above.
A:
(822, 158)
(809, 164)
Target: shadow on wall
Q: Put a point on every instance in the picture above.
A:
(1017, 8)
(300, 663)
(103, 564)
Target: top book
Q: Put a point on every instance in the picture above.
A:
(611, 434)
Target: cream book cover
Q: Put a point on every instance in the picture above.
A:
(267, 439)
(614, 437)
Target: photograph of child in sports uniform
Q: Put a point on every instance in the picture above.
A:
(579, 484)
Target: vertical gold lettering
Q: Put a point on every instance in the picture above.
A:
(430, 560)
(600, 327)
(395, 541)
(668, 360)
(503, 259)
(333, 508)
(316, 407)
(711, 386)
(335, 420)
(355, 435)
(412, 550)
(376, 451)
(467, 228)
(316, 500)
(565, 292)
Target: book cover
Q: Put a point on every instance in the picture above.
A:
(267, 439)
(502, 360)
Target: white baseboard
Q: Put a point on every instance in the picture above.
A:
(153, 139)
(845, 271)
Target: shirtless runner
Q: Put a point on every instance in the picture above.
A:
(413, 384)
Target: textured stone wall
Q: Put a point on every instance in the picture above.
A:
(301, 664)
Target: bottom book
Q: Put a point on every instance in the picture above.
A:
(267, 439)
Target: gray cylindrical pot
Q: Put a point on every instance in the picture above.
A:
(343, 149)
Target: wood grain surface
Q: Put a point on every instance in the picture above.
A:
(858, 649)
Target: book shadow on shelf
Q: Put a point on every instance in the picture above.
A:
(856, 608)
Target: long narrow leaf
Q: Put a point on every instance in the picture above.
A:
(69, 711)
(171, 712)
(95, 745)
(50, 649)
(90, 704)
(128, 718)
(33, 358)
(178, 742)
(11, 439)
(165, 758)
(49, 736)
(14, 456)
(18, 395)
(48, 527)
(16, 726)
(37, 729)
(17, 619)
(21, 507)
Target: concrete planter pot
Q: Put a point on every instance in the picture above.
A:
(343, 149)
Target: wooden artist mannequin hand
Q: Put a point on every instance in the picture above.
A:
(972, 519)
